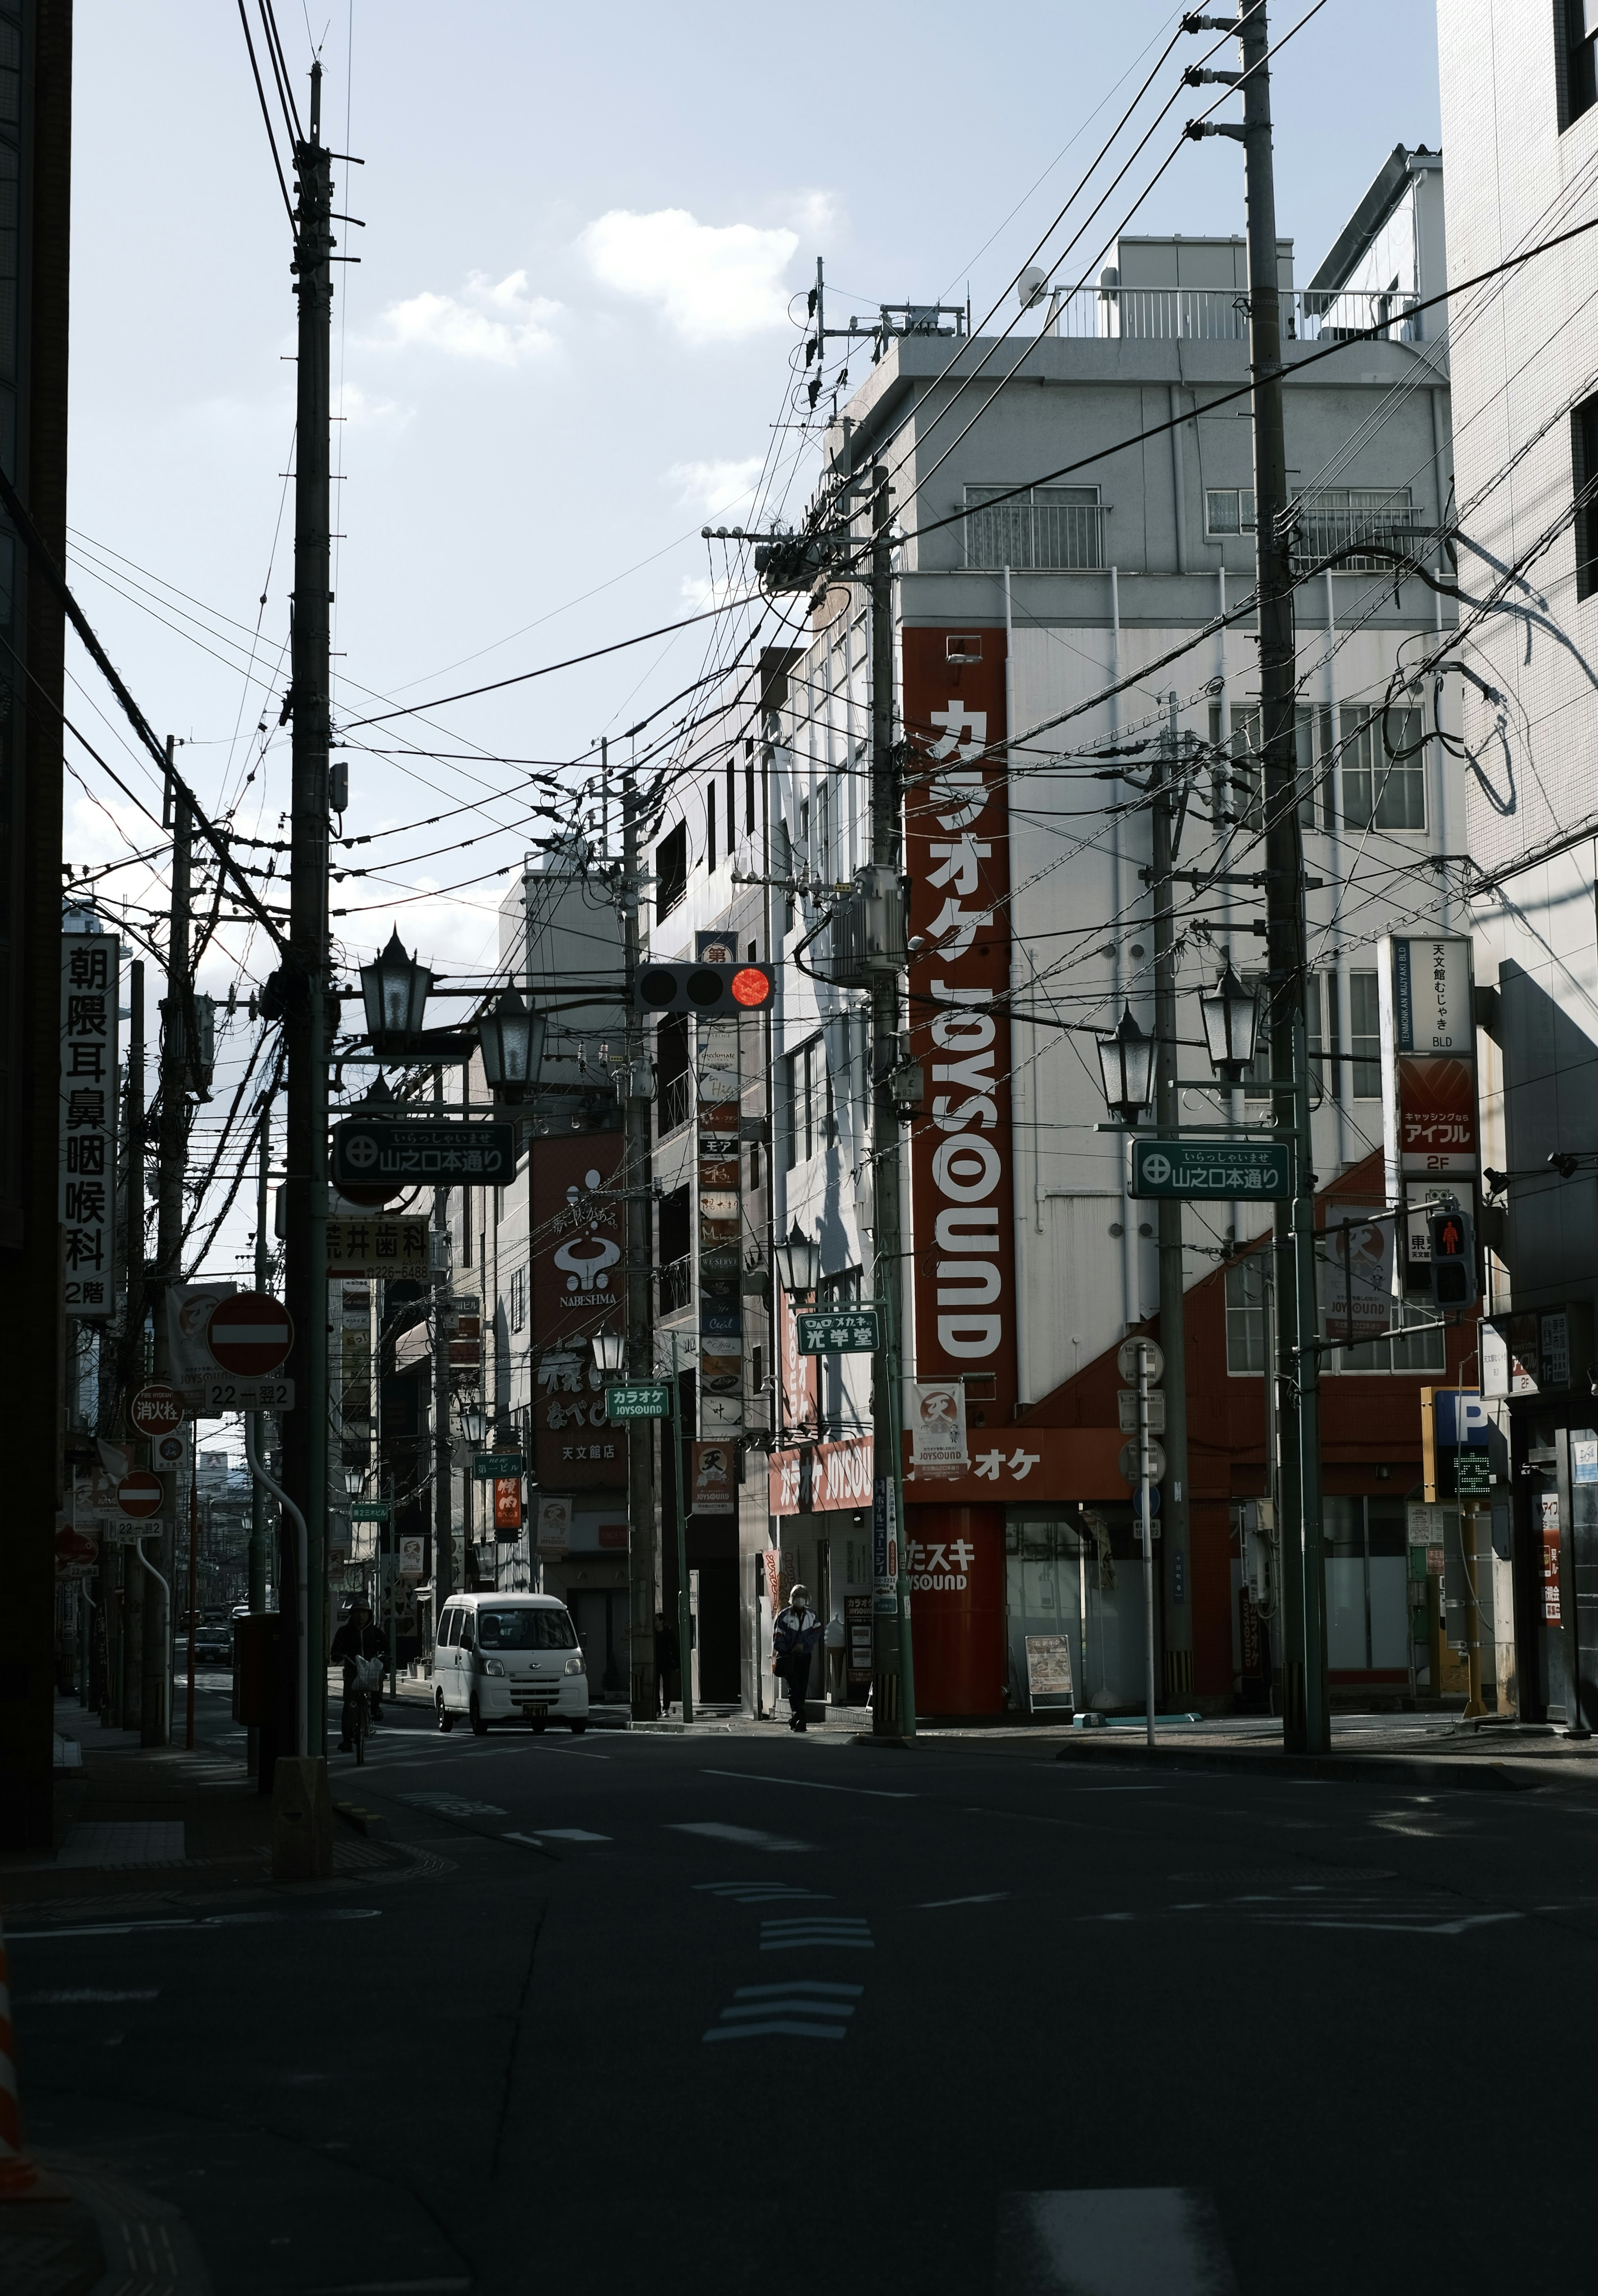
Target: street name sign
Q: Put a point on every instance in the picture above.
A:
(646, 1399)
(368, 1511)
(1212, 1170)
(492, 1466)
(157, 1409)
(838, 1331)
(374, 1149)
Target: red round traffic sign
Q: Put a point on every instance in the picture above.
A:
(157, 1410)
(139, 1493)
(250, 1335)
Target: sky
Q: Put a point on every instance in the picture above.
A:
(568, 342)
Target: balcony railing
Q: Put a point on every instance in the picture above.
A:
(676, 1284)
(677, 1102)
(1221, 314)
(1040, 535)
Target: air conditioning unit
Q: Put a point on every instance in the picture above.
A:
(866, 929)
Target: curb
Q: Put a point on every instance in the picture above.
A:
(1344, 1769)
(364, 1821)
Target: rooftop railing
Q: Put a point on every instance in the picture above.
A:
(1154, 314)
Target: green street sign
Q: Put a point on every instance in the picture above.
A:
(644, 1399)
(494, 1466)
(1472, 1474)
(1212, 1170)
(368, 1511)
(838, 1331)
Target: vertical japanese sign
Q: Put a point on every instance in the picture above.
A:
(1428, 1059)
(576, 1288)
(86, 1191)
(957, 858)
(720, 1221)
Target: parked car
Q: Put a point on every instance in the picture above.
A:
(213, 1645)
(501, 1656)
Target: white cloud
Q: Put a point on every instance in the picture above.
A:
(715, 487)
(501, 323)
(360, 407)
(712, 283)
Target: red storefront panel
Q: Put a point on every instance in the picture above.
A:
(955, 1557)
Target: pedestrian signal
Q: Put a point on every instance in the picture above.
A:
(1452, 1259)
(711, 990)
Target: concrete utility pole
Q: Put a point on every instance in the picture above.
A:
(120, 1579)
(643, 1557)
(444, 1543)
(893, 1700)
(179, 1056)
(1306, 1722)
(1173, 1306)
(305, 977)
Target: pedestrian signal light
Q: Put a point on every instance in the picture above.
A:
(711, 990)
(1452, 1259)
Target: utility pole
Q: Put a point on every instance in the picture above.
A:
(257, 1428)
(178, 1055)
(893, 1701)
(305, 977)
(444, 1544)
(1306, 1726)
(117, 1578)
(643, 1560)
(1173, 1304)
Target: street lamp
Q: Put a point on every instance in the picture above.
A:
(511, 1038)
(799, 1261)
(473, 1422)
(1231, 1017)
(395, 992)
(607, 1346)
(1127, 1065)
(355, 1479)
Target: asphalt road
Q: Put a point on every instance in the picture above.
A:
(716, 2014)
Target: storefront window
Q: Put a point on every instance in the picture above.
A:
(1368, 1616)
(1078, 1574)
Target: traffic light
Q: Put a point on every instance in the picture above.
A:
(1452, 1259)
(713, 991)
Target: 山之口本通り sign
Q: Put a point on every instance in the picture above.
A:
(368, 1149)
(1223, 1169)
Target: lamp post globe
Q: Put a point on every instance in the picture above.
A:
(799, 1261)
(394, 989)
(473, 1421)
(1230, 1013)
(511, 1038)
(1127, 1068)
(607, 1350)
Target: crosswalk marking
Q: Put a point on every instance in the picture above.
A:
(805, 2009)
(778, 1936)
(746, 1837)
(760, 1893)
(1157, 2241)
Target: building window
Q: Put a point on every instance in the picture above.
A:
(1245, 1314)
(1367, 1599)
(1228, 510)
(518, 1299)
(1406, 1350)
(710, 826)
(1048, 528)
(808, 1100)
(749, 790)
(842, 1289)
(1364, 1037)
(1583, 478)
(1581, 75)
(671, 870)
(1383, 791)
(1312, 765)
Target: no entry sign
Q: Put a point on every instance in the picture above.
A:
(157, 1410)
(250, 1334)
(139, 1493)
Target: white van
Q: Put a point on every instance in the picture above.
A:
(498, 1656)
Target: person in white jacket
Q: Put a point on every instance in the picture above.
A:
(794, 1633)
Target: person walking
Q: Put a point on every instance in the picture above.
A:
(794, 1634)
(668, 1658)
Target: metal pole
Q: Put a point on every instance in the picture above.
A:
(188, 1732)
(642, 1555)
(1144, 1463)
(1176, 1576)
(893, 1701)
(443, 1524)
(684, 1613)
(305, 975)
(179, 1052)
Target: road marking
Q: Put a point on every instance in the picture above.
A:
(812, 1785)
(747, 1836)
(569, 1833)
(1154, 2242)
(806, 2009)
(989, 1898)
(761, 1893)
(190, 1922)
(74, 1993)
(388, 2287)
(454, 1805)
(814, 1929)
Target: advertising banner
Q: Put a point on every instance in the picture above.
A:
(957, 858)
(1356, 1273)
(712, 1488)
(719, 1239)
(87, 1190)
(1428, 1059)
(507, 1502)
(554, 1527)
(937, 1427)
(576, 1290)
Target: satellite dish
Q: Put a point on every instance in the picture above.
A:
(1032, 285)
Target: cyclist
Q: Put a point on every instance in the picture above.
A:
(356, 1639)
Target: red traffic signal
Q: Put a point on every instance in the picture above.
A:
(1453, 1258)
(711, 990)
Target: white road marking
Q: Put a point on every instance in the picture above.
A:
(802, 1930)
(813, 1785)
(569, 1834)
(805, 2009)
(74, 1993)
(747, 1836)
(989, 1898)
(454, 1805)
(761, 1893)
(1156, 2242)
(189, 1922)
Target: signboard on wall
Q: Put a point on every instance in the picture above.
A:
(1356, 1275)
(1428, 1059)
(958, 859)
(86, 1189)
(712, 1488)
(575, 1290)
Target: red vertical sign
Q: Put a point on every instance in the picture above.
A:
(957, 857)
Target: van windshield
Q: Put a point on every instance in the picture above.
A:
(524, 1629)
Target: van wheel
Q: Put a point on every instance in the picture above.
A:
(479, 1728)
(446, 1721)
(537, 1727)
(577, 1729)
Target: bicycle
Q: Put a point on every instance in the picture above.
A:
(368, 1677)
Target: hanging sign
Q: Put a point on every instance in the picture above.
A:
(87, 1161)
(937, 1427)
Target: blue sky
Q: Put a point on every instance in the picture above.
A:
(568, 338)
